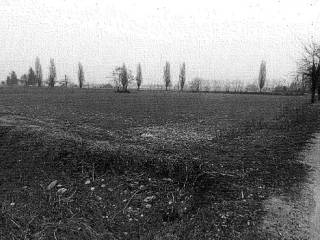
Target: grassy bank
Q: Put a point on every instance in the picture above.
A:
(160, 165)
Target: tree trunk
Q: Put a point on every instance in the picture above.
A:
(313, 90)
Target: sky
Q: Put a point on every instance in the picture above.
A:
(218, 40)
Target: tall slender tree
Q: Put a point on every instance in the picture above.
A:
(32, 80)
(182, 76)
(262, 75)
(167, 75)
(52, 73)
(80, 75)
(124, 80)
(38, 72)
(139, 76)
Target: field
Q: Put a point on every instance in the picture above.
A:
(146, 165)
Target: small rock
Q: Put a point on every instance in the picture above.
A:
(98, 198)
(148, 205)
(167, 179)
(52, 184)
(61, 190)
(12, 204)
(87, 182)
(149, 199)
(92, 188)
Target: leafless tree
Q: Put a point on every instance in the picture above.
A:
(80, 75)
(139, 76)
(167, 75)
(309, 67)
(182, 76)
(195, 84)
(52, 73)
(262, 75)
(38, 72)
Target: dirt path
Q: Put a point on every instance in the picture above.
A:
(296, 215)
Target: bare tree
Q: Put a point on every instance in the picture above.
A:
(139, 76)
(182, 76)
(262, 75)
(52, 73)
(196, 84)
(309, 67)
(38, 72)
(80, 75)
(167, 75)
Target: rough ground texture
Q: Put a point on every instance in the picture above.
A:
(147, 165)
(295, 215)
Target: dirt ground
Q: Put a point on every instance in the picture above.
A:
(296, 214)
(178, 166)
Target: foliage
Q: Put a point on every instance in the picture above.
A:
(122, 78)
(38, 72)
(182, 76)
(80, 75)
(262, 75)
(196, 84)
(139, 76)
(52, 73)
(252, 88)
(12, 79)
(32, 78)
(167, 75)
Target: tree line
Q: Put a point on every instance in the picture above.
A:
(34, 77)
(122, 76)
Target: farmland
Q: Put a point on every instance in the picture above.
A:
(146, 165)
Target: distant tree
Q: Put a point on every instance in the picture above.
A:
(38, 72)
(122, 77)
(309, 68)
(12, 79)
(124, 80)
(32, 79)
(24, 79)
(262, 75)
(8, 81)
(167, 75)
(52, 73)
(65, 82)
(195, 84)
(252, 88)
(139, 76)
(227, 86)
(80, 75)
(182, 76)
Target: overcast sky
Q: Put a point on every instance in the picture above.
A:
(217, 39)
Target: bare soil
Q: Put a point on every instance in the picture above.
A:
(148, 165)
